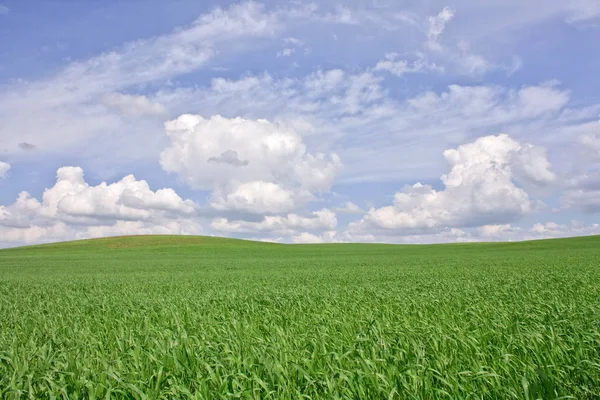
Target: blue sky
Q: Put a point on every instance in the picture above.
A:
(410, 122)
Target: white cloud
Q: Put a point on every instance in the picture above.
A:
(178, 52)
(323, 220)
(499, 105)
(341, 15)
(437, 24)
(133, 105)
(553, 230)
(307, 238)
(490, 231)
(126, 199)
(276, 175)
(530, 165)
(480, 189)
(4, 9)
(294, 41)
(470, 63)
(534, 101)
(465, 61)
(256, 197)
(74, 209)
(286, 52)
(349, 208)
(332, 237)
(582, 186)
(487, 233)
(583, 10)
(80, 92)
(4, 167)
(355, 116)
(397, 67)
(275, 147)
(546, 230)
(291, 46)
(583, 193)
(592, 142)
(324, 82)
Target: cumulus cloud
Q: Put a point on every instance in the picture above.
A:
(255, 197)
(4, 167)
(307, 238)
(72, 209)
(323, 220)
(133, 105)
(250, 165)
(480, 189)
(355, 117)
(530, 165)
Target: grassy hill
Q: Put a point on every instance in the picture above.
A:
(205, 317)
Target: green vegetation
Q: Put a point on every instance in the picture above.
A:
(207, 318)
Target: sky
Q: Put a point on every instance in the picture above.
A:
(298, 122)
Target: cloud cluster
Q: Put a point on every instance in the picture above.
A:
(480, 188)
(74, 209)
(323, 220)
(358, 119)
(267, 147)
(546, 230)
(85, 101)
(254, 166)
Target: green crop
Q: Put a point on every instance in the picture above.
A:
(207, 318)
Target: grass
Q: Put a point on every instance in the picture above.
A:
(207, 318)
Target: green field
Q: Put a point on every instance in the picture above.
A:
(207, 318)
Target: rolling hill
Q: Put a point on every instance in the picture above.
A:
(205, 317)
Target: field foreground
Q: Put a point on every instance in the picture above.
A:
(206, 318)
